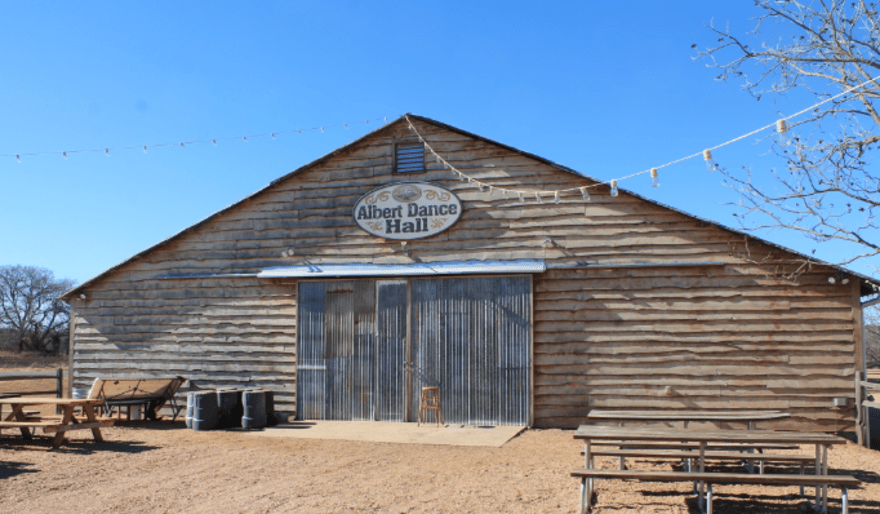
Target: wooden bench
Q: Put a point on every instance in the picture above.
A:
(659, 445)
(51, 426)
(585, 475)
(761, 458)
(152, 393)
(685, 416)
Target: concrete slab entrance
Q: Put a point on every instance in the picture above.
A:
(405, 433)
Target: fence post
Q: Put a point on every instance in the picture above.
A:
(59, 381)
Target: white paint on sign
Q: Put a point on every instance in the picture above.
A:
(407, 210)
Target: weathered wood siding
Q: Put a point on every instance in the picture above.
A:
(217, 332)
(692, 337)
(733, 335)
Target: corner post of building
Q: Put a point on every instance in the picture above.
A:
(70, 342)
(859, 360)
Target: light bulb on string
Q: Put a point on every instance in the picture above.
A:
(782, 133)
(64, 154)
(556, 197)
(244, 138)
(107, 152)
(655, 182)
(273, 135)
(614, 191)
(585, 194)
(17, 157)
(710, 162)
(538, 198)
(345, 125)
(322, 130)
(213, 141)
(181, 145)
(521, 197)
(145, 147)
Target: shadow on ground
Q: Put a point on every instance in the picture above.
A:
(11, 469)
(20, 444)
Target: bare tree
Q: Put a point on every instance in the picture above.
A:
(872, 337)
(827, 189)
(30, 309)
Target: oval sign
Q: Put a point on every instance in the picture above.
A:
(407, 210)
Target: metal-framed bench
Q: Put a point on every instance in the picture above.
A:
(690, 455)
(587, 475)
(758, 439)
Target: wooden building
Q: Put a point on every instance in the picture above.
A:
(348, 284)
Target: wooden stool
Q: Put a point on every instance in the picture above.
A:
(430, 401)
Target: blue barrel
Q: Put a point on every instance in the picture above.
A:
(189, 410)
(229, 405)
(254, 415)
(205, 414)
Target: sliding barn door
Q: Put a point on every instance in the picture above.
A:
(352, 359)
(471, 338)
(391, 359)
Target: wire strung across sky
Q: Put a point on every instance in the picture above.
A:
(779, 125)
(182, 144)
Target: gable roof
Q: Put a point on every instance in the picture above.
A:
(869, 285)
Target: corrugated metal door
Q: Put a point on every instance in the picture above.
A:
(312, 369)
(391, 317)
(471, 337)
(343, 351)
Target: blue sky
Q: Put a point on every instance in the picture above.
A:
(604, 89)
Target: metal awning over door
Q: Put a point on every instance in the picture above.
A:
(366, 347)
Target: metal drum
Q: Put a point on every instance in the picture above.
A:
(229, 405)
(271, 419)
(254, 415)
(189, 410)
(205, 414)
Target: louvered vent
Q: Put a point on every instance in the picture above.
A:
(410, 158)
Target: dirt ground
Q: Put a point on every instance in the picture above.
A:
(164, 467)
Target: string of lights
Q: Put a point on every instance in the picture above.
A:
(183, 144)
(780, 126)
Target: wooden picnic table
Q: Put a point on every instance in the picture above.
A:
(58, 425)
(704, 438)
(685, 416)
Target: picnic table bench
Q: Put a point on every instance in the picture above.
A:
(842, 481)
(57, 425)
(749, 417)
(705, 438)
(689, 455)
